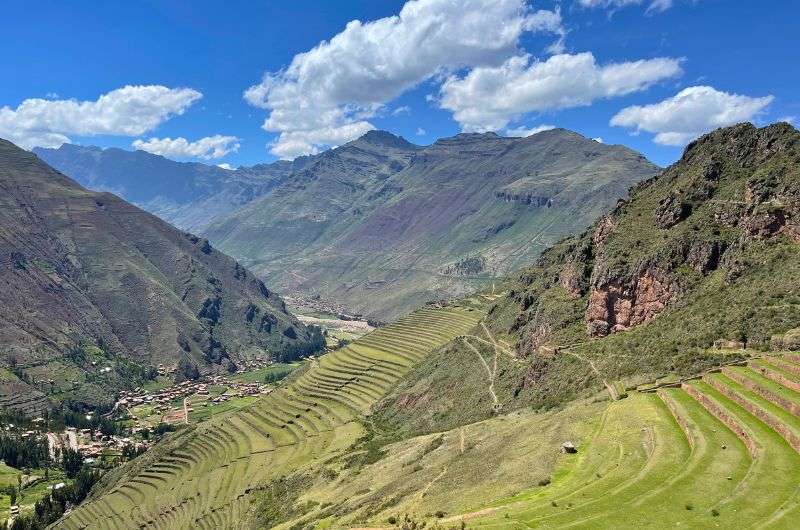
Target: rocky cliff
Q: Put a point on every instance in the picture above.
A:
(89, 282)
(714, 236)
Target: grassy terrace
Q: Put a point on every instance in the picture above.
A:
(208, 477)
(721, 451)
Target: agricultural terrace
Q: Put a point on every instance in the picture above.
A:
(716, 451)
(208, 476)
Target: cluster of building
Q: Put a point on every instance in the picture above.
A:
(162, 398)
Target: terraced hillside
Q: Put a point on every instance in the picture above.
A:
(212, 475)
(720, 450)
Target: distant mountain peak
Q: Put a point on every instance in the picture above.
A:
(385, 138)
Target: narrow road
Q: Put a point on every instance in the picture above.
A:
(73, 440)
(185, 411)
(53, 441)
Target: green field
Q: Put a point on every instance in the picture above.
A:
(8, 475)
(258, 376)
(659, 459)
(670, 459)
(201, 413)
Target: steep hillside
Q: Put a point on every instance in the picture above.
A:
(381, 225)
(186, 194)
(708, 252)
(216, 474)
(95, 292)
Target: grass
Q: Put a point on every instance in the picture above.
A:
(314, 453)
(28, 497)
(260, 375)
(8, 475)
(659, 458)
(201, 413)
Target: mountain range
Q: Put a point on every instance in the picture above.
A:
(97, 293)
(186, 194)
(380, 225)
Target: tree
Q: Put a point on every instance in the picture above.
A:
(72, 461)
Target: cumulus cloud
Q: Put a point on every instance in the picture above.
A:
(690, 113)
(421, 131)
(207, 148)
(655, 6)
(523, 132)
(226, 166)
(327, 94)
(127, 111)
(489, 97)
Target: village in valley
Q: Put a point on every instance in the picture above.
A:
(138, 419)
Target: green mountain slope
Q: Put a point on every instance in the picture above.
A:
(708, 251)
(95, 291)
(381, 225)
(186, 194)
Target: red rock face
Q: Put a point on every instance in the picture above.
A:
(616, 307)
(570, 280)
(605, 226)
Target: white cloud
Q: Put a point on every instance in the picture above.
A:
(226, 166)
(523, 132)
(421, 131)
(328, 94)
(291, 144)
(656, 6)
(690, 113)
(405, 109)
(127, 111)
(207, 148)
(599, 140)
(489, 97)
(792, 120)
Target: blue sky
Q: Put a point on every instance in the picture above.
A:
(662, 71)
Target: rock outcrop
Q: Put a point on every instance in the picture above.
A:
(616, 306)
(734, 195)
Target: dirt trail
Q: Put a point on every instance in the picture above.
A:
(495, 343)
(489, 371)
(610, 388)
